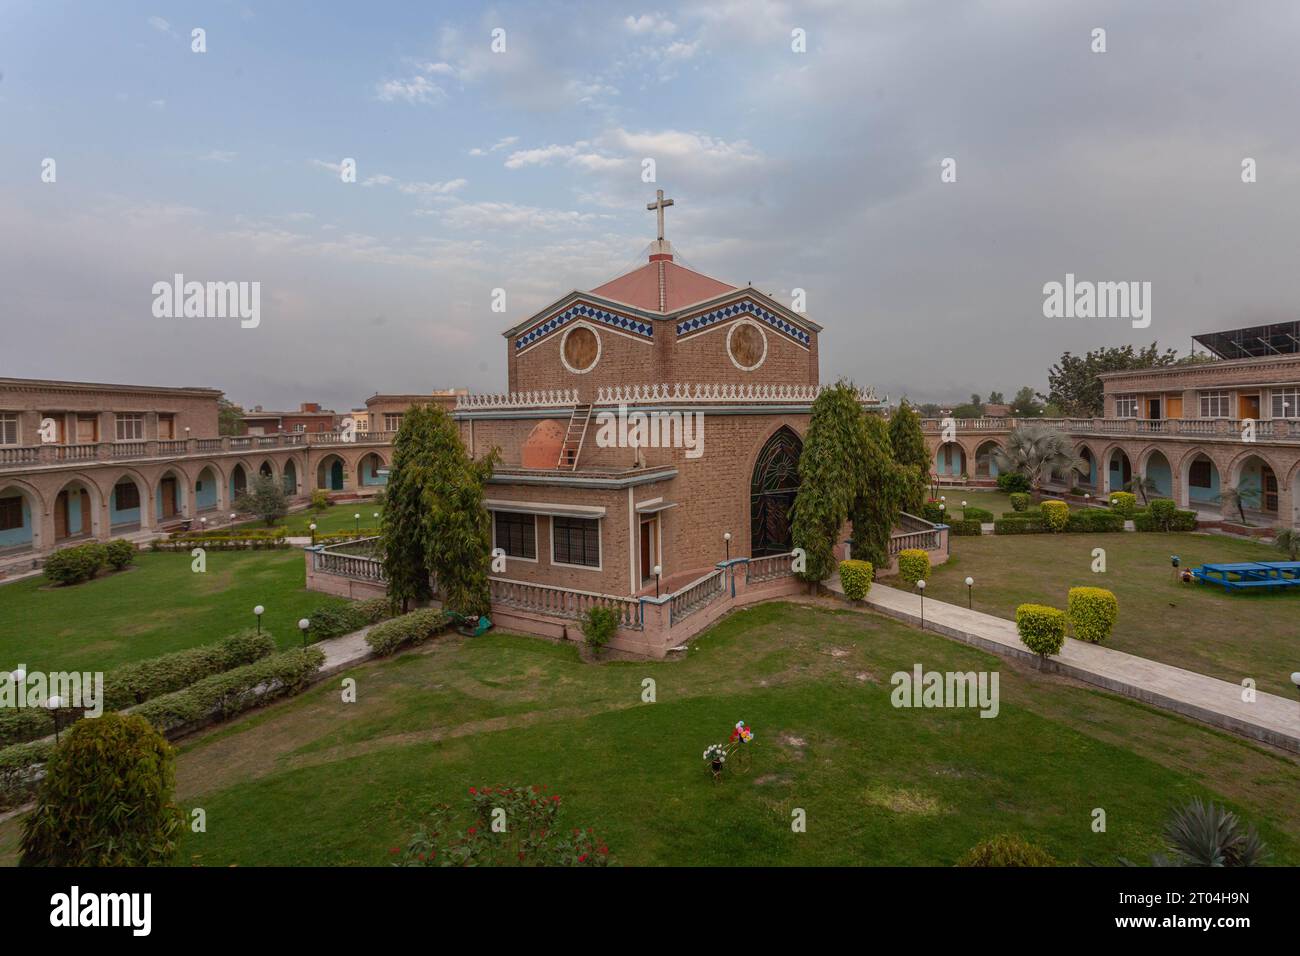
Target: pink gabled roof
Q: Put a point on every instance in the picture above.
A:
(662, 286)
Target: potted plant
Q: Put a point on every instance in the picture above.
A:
(715, 755)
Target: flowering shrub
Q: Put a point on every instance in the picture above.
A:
(855, 576)
(507, 826)
(913, 565)
(1093, 612)
(1056, 515)
(741, 733)
(1041, 628)
(1123, 502)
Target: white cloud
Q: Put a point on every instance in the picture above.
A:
(157, 104)
(381, 179)
(508, 215)
(161, 25)
(434, 189)
(650, 23)
(415, 89)
(219, 156)
(503, 143)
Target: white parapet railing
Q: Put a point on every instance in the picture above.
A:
(769, 568)
(722, 392)
(541, 398)
(697, 595)
(562, 602)
(349, 564)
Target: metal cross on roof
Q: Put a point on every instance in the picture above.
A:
(659, 205)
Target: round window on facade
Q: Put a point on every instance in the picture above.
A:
(580, 349)
(746, 345)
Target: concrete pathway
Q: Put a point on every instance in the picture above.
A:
(1270, 718)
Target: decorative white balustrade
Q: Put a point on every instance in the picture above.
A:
(562, 602)
(359, 567)
(721, 392)
(769, 568)
(1269, 429)
(542, 398)
(697, 595)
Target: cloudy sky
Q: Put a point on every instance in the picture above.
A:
(521, 170)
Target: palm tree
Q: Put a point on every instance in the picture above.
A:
(1037, 451)
(1235, 496)
(1206, 834)
(1143, 485)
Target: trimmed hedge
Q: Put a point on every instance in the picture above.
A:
(976, 514)
(335, 537)
(855, 576)
(1092, 613)
(224, 541)
(913, 565)
(1041, 628)
(932, 513)
(224, 695)
(344, 617)
(1020, 501)
(1163, 515)
(967, 527)
(413, 628)
(137, 682)
(1018, 525)
(1123, 502)
(1098, 520)
(76, 564)
(18, 765)
(1056, 515)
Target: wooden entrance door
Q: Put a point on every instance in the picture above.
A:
(1153, 408)
(1268, 480)
(87, 429)
(167, 488)
(649, 529)
(61, 515)
(86, 526)
(1249, 407)
(1174, 406)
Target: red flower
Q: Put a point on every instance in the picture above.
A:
(472, 791)
(604, 849)
(473, 830)
(583, 858)
(393, 850)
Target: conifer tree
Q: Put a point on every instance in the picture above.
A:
(882, 486)
(828, 477)
(907, 444)
(458, 549)
(408, 510)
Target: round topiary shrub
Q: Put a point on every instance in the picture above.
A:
(1092, 613)
(1019, 501)
(1162, 513)
(855, 577)
(106, 798)
(599, 625)
(1013, 481)
(1041, 628)
(119, 554)
(76, 564)
(1056, 515)
(913, 565)
(1123, 502)
(1006, 849)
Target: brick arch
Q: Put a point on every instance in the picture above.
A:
(362, 456)
(1232, 473)
(956, 468)
(272, 463)
(95, 494)
(36, 509)
(1143, 468)
(1104, 466)
(973, 454)
(192, 474)
(1081, 446)
(184, 500)
(754, 459)
(322, 473)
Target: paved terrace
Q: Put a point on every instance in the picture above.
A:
(1271, 719)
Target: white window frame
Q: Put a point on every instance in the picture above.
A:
(393, 421)
(1208, 400)
(1126, 406)
(510, 557)
(600, 544)
(1292, 398)
(132, 418)
(6, 418)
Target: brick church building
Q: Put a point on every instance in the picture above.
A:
(654, 421)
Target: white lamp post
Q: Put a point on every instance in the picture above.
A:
(258, 612)
(357, 518)
(658, 569)
(970, 583)
(920, 589)
(726, 537)
(303, 625)
(312, 526)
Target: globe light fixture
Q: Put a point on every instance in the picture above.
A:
(920, 589)
(304, 625)
(258, 612)
(658, 569)
(726, 537)
(970, 583)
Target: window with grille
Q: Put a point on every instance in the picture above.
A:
(576, 541)
(130, 427)
(11, 513)
(1286, 403)
(126, 496)
(516, 534)
(8, 428)
(1214, 404)
(1126, 406)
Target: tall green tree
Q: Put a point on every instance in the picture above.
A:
(265, 498)
(1073, 383)
(230, 417)
(458, 549)
(881, 487)
(406, 524)
(907, 443)
(828, 477)
(1025, 404)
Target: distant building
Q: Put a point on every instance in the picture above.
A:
(385, 411)
(309, 417)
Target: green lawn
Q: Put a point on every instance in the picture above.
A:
(990, 500)
(334, 518)
(315, 781)
(158, 606)
(1201, 628)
